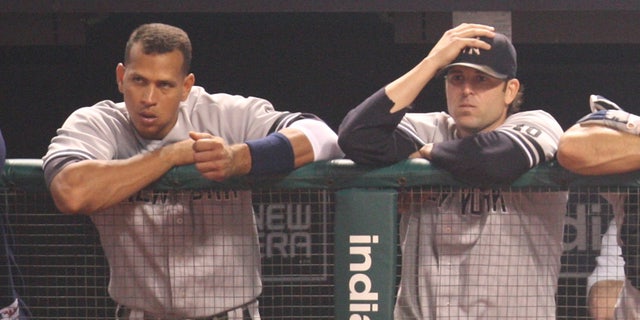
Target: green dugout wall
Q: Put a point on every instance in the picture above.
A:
(355, 209)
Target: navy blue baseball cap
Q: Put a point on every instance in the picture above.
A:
(499, 62)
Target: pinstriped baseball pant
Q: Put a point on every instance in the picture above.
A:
(245, 312)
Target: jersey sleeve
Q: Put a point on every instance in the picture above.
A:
(536, 133)
(88, 133)
(235, 118)
(369, 134)
(525, 140)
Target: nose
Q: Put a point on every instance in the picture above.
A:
(467, 88)
(149, 95)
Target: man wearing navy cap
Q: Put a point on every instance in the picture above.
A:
(478, 251)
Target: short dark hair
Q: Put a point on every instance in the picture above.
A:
(161, 38)
(514, 107)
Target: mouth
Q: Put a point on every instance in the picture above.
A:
(466, 106)
(147, 118)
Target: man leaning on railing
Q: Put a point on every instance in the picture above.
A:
(607, 141)
(462, 261)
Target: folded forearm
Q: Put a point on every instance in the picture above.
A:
(596, 150)
(479, 159)
(92, 185)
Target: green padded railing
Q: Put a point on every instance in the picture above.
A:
(335, 174)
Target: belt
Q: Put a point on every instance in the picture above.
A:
(126, 313)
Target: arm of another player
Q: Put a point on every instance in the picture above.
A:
(606, 280)
(596, 149)
(304, 141)
(603, 298)
(88, 186)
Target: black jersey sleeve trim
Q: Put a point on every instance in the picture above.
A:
(55, 165)
(286, 119)
(532, 149)
(369, 133)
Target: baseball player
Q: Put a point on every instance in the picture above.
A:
(176, 255)
(11, 305)
(613, 137)
(476, 252)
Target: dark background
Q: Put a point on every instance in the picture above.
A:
(301, 59)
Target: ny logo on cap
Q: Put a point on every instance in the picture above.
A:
(471, 51)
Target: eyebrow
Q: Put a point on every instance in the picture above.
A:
(164, 81)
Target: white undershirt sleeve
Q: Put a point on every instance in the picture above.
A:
(324, 141)
(609, 264)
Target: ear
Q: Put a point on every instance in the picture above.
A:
(511, 91)
(187, 84)
(120, 69)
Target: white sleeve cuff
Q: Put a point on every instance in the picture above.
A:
(324, 141)
(609, 264)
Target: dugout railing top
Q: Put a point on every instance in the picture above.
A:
(335, 174)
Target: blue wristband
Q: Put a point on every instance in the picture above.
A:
(271, 154)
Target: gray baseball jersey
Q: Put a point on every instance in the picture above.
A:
(177, 254)
(482, 253)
